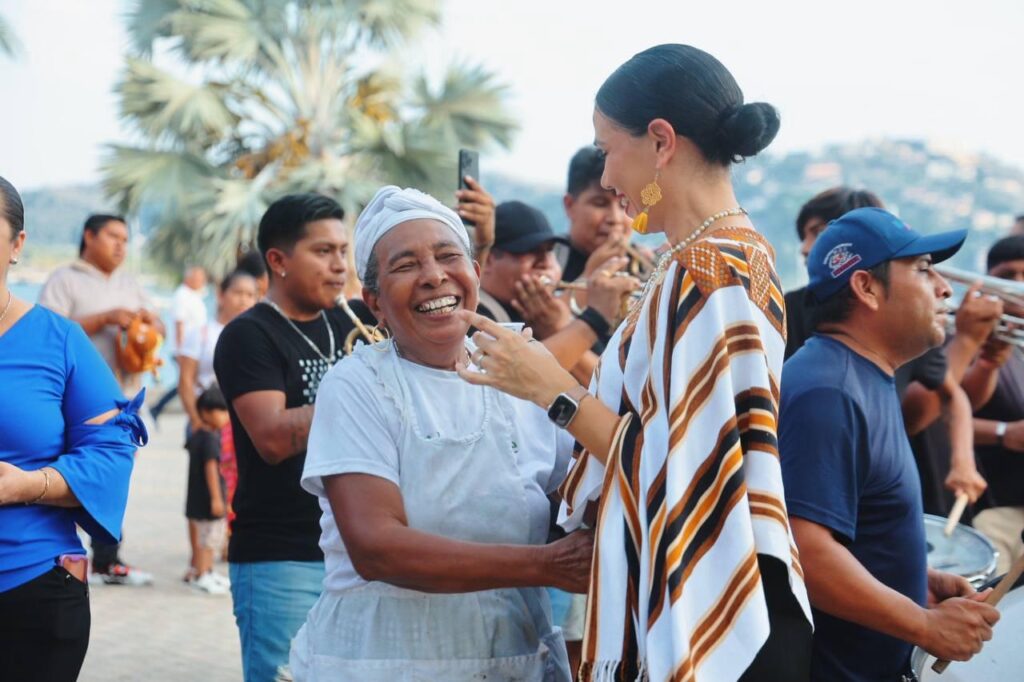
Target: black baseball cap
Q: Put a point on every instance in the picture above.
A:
(521, 228)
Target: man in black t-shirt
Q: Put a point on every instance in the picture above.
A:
(269, 362)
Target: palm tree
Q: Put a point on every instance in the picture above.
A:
(283, 95)
(9, 44)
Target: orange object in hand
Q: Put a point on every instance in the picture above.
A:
(138, 347)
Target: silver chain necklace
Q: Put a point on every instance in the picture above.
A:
(10, 297)
(330, 332)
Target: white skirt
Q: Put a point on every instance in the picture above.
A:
(382, 633)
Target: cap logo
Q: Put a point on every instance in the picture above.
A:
(840, 259)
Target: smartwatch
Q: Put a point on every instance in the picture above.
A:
(565, 406)
(1000, 432)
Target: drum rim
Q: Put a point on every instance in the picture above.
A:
(990, 567)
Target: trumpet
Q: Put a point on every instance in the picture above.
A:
(581, 285)
(370, 334)
(1010, 328)
(1003, 289)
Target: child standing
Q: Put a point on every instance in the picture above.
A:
(205, 503)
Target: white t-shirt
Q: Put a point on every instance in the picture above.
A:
(358, 429)
(199, 344)
(188, 308)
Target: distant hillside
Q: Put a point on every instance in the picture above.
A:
(933, 189)
(54, 215)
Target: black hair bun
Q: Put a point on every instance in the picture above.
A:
(746, 130)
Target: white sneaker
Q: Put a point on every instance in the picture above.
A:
(209, 584)
(122, 574)
(221, 578)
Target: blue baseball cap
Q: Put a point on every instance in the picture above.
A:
(864, 238)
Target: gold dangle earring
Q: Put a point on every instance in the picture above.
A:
(649, 196)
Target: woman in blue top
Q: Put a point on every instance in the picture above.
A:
(67, 441)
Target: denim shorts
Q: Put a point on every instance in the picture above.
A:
(271, 601)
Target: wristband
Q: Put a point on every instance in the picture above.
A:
(595, 321)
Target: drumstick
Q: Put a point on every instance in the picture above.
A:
(993, 598)
(954, 516)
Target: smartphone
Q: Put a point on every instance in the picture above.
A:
(469, 164)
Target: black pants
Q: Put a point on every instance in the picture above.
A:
(786, 656)
(44, 628)
(104, 555)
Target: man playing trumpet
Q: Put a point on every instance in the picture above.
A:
(995, 383)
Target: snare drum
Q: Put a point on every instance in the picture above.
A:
(966, 552)
(1002, 658)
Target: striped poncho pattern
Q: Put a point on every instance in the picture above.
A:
(692, 492)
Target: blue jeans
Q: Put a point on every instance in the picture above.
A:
(271, 601)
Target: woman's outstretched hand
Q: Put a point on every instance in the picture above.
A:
(513, 363)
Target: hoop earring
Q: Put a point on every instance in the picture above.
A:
(387, 340)
(649, 196)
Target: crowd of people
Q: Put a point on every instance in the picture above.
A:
(544, 457)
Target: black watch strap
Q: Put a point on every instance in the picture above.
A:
(596, 321)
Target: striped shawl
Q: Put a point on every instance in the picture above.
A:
(693, 489)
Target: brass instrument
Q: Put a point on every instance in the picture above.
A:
(370, 334)
(1010, 328)
(581, 285)
(1003, 289)
(640, 266)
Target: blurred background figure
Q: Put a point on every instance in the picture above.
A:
(99, 294)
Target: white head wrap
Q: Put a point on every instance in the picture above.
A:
(391, 206)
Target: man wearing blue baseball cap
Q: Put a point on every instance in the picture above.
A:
(852, 489)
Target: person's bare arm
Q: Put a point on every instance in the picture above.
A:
(371, 518)
(188, 368)
(179, 334)
(976, 319)
(922, 406)
(278, 433)
(211, 472)
(570, 343)
(92, 324)
(981, 379)
(963, 474)
(526, 369)
(839, 585)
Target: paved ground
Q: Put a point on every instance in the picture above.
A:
(168, 631)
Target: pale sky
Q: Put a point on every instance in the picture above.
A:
(838, 72)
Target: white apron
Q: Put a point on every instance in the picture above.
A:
(465, 488)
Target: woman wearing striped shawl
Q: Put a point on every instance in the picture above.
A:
(696, 575)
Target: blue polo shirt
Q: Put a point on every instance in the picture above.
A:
(847, 465)
(52, 381)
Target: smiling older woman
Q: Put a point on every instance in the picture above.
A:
(434, 492)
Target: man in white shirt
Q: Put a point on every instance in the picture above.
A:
(188, 304)
(189, 309)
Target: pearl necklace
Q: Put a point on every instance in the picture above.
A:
(666, 258)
